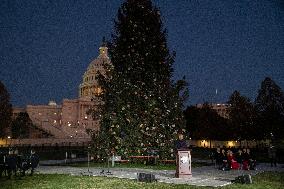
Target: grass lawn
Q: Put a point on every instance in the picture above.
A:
(135, 165)
(267, 180)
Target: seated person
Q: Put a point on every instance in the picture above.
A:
(233, 163)
(245, 159)
(225, 163)
(251, 160)
(239, 158)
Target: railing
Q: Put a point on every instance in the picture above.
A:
(45, 142)
(60, 131)
(63, 161)
(55, 131)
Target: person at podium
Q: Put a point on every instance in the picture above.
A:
(181, 143)
(183, 160)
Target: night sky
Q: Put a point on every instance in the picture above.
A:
(46, 45)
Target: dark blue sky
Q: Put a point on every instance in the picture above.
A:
(46, 45)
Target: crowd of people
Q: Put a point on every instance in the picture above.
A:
(17, 164)
(240, 159)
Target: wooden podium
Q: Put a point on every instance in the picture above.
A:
(183, 159)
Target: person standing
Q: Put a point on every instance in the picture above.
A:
(18, 160)
(272, 155)
(2, 163)
(218, 158)
(181, 143)
(34, 160)
(12, 164)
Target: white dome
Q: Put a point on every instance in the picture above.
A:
(52, 103)
(89, 86)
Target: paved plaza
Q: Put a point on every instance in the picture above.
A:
(202, 176)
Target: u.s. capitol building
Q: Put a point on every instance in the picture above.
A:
(71, 118)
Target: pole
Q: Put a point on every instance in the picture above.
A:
(66, 155)
(88, 161)
(108, 172)
(89, 172)
(108, 152)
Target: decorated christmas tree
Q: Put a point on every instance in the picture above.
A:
(142, 107)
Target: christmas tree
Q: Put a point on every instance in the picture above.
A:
(142, 107)
(270, 107)
(5, 110)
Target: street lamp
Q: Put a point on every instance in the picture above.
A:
(89, 159)
(89, 173)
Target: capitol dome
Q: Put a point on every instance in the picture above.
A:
(89, 86)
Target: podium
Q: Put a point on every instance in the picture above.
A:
(183, 160)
